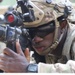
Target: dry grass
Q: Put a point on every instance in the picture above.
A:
(2, 11)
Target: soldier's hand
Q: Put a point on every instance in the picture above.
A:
(27, 54)
(13, 62)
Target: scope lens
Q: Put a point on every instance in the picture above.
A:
(10, 18)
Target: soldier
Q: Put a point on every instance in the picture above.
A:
(53, 41)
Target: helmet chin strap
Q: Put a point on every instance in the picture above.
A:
(55, 42)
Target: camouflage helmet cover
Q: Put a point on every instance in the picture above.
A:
(45, 12)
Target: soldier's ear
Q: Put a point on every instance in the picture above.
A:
(62, 21)
(63, 24)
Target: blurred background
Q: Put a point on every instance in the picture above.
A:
(72, 0)
(5, 4)
(8, 2)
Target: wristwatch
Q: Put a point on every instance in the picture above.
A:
(32, 68)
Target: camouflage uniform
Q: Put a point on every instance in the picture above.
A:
(69, 67)
(68, 52)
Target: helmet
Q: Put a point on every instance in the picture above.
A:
(49, 10)
(44, 12)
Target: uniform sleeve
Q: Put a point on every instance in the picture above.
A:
(69, 67)
(72, 50)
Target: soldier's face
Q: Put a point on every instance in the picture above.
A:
(43, 37)
(40, 45)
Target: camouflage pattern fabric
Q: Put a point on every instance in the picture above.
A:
(69, 67)
(68, 52)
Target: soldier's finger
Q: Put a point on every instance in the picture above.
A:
(4, 57)
(27, 54)
(18, 48)
(9, 52)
